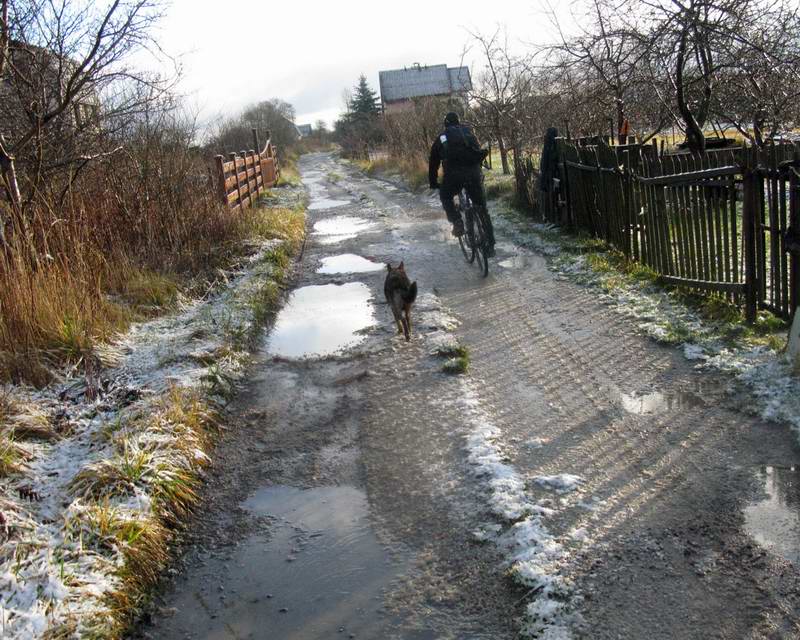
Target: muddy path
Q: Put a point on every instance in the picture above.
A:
(579, 481)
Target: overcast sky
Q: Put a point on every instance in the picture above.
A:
(236, 52)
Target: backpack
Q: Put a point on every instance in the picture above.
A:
(460, 147)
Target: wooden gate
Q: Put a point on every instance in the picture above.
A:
(726, 222)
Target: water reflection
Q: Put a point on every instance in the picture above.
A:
(322, 320)
(773, 518)
(348, 263)
(656, 402)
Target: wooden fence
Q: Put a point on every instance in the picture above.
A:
(726, 222)
(242, 178)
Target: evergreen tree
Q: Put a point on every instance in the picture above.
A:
(364, 100)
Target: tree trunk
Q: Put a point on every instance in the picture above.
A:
(695, 138)
(8, 178)
(501, 145)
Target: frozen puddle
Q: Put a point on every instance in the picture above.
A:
(322, 320)
(321, 204)
(773, 519)
(656, 402)
(320, 574)
(348, 263)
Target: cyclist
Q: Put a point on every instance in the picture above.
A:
(457, 150)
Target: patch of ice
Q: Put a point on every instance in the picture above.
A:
(442, 341)
(562, 482)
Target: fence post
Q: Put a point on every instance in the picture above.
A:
(749, 238)
(246, 185)
(232, 156)
(256, 145)
(219, 161)
(563, 199)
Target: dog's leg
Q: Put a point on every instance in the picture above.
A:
(408, 318)
(406, 330)
(399, 325)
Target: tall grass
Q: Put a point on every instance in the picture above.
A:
(82, 263)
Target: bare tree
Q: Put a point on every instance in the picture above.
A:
(501, 83)
(65, 86)
(760, 96)
(600, 68)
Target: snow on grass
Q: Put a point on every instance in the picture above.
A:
(129, 444)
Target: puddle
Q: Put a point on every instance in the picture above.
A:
(340, 229)
(321, 573)
(656, 402)
(348, 263)
(341, 225)
(514, 262)
(322, 320)
(321, 204)
(773, 519)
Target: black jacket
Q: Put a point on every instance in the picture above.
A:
(456, 146)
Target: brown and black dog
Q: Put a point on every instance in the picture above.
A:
(400, 293)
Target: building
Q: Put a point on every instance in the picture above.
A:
(399, 87)
(305, 130)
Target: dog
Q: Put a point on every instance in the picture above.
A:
(400, 293)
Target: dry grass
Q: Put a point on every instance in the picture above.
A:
(119, 247)
(13, 456)
(413, 170)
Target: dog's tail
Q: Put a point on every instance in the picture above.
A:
(410, 294)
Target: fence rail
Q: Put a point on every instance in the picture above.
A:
(726, 222)
(245, 175)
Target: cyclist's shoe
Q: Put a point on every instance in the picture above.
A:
(489, 253)
(458, 228)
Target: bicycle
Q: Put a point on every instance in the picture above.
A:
(473, 241)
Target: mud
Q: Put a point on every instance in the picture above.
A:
(676, 530)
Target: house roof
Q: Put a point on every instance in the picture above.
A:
(418, 81)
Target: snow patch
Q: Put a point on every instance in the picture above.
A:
(562, 482)
(533, 556)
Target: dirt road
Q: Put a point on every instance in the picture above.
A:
(580, 481)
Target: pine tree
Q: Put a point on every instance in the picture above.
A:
(364, 100)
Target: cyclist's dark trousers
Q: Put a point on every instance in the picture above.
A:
(471, 179)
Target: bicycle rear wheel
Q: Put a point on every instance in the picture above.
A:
(480, 242)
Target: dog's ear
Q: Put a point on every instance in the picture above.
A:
(388, 266)
(402, 266)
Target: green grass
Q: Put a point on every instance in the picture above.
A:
(456, 365)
